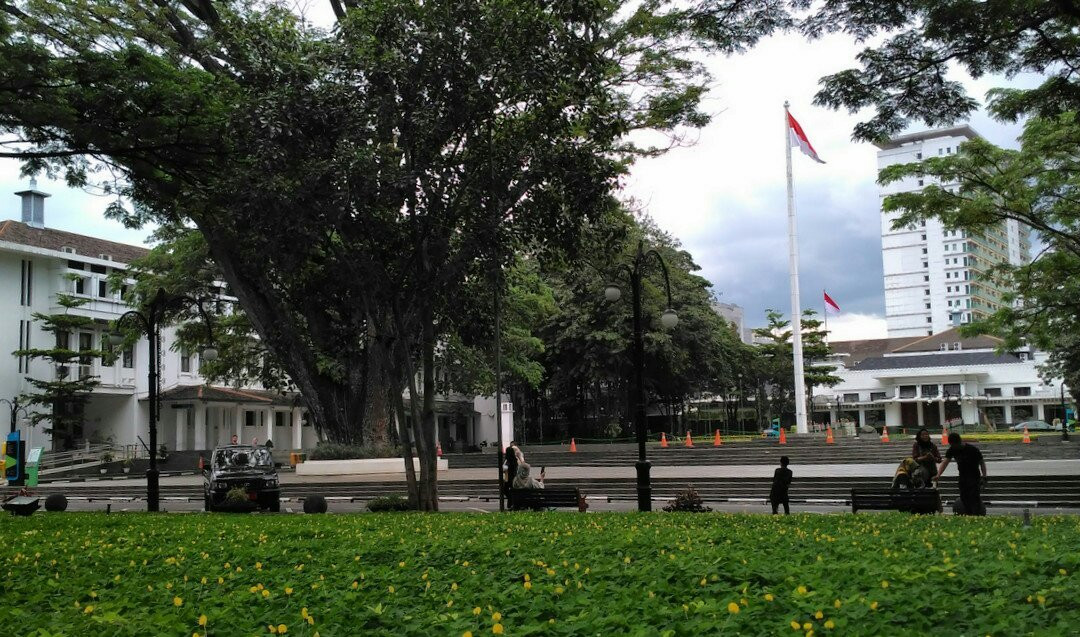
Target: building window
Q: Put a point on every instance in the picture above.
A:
(929, 320)
(924, 237)
(920, 182)
(128, 358)
(924, 250)
(102, 288)
(86, 344)
(26, 282)
(76, 265)
(918, 155)
(952, 389)
(249, 418)
(185, 361)
(929, 391)
(928, 306)
(925, 264)
(926, 292)
(279, 418)
(926, 277)
(22, 343)
(992, 392)
(1021, 391)
(79, 285)
(878, 395)
(907, 391)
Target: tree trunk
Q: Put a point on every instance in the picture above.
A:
(425, 437)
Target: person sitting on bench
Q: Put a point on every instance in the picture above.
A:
(524, 480)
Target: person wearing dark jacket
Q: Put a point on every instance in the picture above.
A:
(781, 481)
(969, 461)
(926, 453)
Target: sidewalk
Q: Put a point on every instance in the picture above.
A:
(1004, 468)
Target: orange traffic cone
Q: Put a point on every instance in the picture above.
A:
(717, 440)
(884, 434)
(573, 446)
(689, 440)
(783, 436)
(828, 436)
(944, 435)
(663, 440)
(438, 449)
(1027, 438)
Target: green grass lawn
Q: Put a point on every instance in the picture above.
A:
(551, 574)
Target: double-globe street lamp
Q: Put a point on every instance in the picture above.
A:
(150, 323)
(668, 319)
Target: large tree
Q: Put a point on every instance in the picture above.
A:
(917, 44)
(350, 182)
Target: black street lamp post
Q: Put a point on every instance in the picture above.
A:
(150, 322)
(668, 319)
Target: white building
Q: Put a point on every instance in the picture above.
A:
(944, 379)
(734, 314)
(37, 263)
(934, 277)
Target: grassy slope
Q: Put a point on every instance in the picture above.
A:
(408, 574)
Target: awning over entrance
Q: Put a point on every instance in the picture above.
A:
(211, 394)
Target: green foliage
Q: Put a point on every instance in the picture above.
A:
(236, 496)
(336, 451)
(916, 45)
(589, 574)
(688, 501)
(1037, 186)
(775, 366)
(389, 503)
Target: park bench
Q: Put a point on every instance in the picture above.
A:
(918, 501)
(548, 498)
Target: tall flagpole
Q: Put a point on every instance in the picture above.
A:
(796, 308)
(825, 315)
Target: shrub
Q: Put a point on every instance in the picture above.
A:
(315, 504)
(688, 502)
(335, 451)
(236, 495)
(56, 502)
(107, 457)
(388, 503)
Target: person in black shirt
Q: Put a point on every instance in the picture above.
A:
(780, 482)
(969, 461)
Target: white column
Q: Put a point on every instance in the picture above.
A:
(919, 411)
(862, 416)
(181, 428)
(941, 412)
(1040, 412)
(269, 411)
(200, 426)
(1008, 415)
(297, 428)
(239, 415)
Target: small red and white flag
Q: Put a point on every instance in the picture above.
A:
(800, 141)
(830, 304)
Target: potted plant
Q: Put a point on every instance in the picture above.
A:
(127, 465)
(106, 458)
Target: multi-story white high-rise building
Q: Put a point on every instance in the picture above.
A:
(936, 278)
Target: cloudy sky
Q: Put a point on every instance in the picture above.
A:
(724, 196)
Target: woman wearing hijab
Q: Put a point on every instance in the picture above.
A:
(926, 453)
(524, 480)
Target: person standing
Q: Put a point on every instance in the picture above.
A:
(969, 462)
(781, 481)
(512, 459)
(926, 453)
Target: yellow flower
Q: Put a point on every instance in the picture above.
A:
(528, 586)
(467, 633)
(830, 624)
(497, 629)
(258, 566)
(178, 602)
(769, 597)
(818, 615)
(732, 608)
(265, 593)
(282, 629)
(809, 633)
(884, 583)
(221, 580)
(626, 560)
(310, 620)
(401, 564)
(873, 605)
(1063, 571)
(558, 590)
(794, 625)
(273, 629)
(807, 626)
(702, 582)
(202, 620)
(836, 603)
(202, 581)
(801, 590)
(303, 612)
(476, 611)
(355, 585)
(390, 588)
(453, 586)
(88, 610)
(1042, 600)
(288, 590)
(496, 616)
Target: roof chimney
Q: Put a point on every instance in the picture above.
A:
(33, 205)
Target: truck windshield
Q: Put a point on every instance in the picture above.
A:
(250, 457)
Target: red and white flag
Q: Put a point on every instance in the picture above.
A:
(830, 304)
(800, 141)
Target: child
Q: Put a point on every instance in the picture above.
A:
(780, 483)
